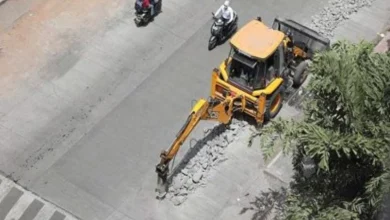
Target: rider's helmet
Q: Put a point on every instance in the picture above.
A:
(226, 5)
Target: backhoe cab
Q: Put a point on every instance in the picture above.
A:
(253, 77)
(260, 61)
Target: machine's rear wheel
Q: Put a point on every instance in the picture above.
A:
(300, 74)
(274, 104)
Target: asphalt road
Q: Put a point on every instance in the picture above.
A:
(156, 72)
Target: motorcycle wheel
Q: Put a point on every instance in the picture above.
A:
(137, 22)
(159, 6)
(212, 42)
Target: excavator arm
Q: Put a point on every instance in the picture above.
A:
(212, 109)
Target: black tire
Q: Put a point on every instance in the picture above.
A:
(137, 23)
(159, 7)
(212, 42)
(300, 74)
(211, 29)
(274, 104)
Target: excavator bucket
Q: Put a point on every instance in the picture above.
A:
(162, 170)
(302, 35)
(162, 187)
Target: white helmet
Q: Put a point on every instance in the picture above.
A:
(226, 4)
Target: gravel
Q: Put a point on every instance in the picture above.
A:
(197, 176)
(195, 172)
(336, 12)
(178, 200)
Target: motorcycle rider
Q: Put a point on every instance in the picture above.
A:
(227, 13)
(146, 4)
(151, 6)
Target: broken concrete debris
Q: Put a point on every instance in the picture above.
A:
(195, 172)
(178, 199)
(336, 12)
(197, 176)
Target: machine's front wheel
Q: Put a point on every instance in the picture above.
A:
(274, 104)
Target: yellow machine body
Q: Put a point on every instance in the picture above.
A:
(251, 80)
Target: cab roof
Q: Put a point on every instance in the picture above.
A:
(257, 40)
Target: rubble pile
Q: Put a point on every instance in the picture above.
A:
(195, 172)
(336, 12)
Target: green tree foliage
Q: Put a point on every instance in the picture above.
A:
(345, 133)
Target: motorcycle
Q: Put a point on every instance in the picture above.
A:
(144, 15)
(219, 33)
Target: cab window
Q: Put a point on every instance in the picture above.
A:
(243, 70)
(274, 65)
(260, 81)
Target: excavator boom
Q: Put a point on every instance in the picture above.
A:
(212, 109)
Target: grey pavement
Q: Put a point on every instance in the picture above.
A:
(110, 171)
(384, 44)
(88, 136)
(245, 180)
(10, 11)
(366, 24)
(17, 203)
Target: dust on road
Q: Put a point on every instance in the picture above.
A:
(46, 32)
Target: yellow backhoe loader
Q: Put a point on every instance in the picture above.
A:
(252, 79)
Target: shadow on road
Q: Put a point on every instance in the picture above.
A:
(267, 205)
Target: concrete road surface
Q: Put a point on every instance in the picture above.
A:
(153, 73)
(18, 203)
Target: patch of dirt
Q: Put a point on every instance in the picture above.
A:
(47, 30)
